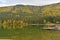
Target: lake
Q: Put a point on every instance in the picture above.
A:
(30, 32)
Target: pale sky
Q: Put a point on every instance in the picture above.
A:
(27, 2)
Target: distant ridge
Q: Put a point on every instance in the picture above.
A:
(30, 13)
(51, 4)
(28, 5)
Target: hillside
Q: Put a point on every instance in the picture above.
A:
(26, 13)
(30, 14)
(52, 11)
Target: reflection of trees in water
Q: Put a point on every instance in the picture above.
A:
(12, 24)
(11, 27)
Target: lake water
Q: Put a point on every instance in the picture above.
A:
(31, 32)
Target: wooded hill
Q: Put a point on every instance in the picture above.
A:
(31, 14)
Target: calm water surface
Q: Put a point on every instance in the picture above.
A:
(29, 33)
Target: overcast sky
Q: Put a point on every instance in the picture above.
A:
(27, 2)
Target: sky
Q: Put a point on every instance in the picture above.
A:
(27, 2)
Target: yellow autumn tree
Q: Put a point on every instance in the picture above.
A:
(4, 24)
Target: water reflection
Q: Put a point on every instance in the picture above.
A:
(11, 26)
(29, 32)
(20, 26)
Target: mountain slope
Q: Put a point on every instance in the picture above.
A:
(53, 10)
(31, 14)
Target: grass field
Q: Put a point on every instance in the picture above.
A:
(30, 33)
